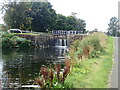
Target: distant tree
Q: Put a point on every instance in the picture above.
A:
(70, 23)
(95, 30)
(65, 23)
(80, 25)
(113, 26)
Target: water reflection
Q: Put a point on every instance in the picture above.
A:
(21, 66)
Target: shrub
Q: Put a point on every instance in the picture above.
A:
(7, 42)
(12, 41)
(23, 43)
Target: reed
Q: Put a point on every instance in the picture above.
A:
(53, 77)
(58, 71)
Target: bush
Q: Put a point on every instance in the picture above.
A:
(7, 42)
(23, 43)
(12, 41)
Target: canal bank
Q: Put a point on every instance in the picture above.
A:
(91, 63)
(93, 72)
(48, 40)
(85, 72)
(16, 64)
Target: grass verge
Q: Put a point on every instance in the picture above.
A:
(93, 72)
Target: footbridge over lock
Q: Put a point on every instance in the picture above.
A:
(67, 37)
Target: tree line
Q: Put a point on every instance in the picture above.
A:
(40, 17)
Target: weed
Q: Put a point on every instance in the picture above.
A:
(52, 78)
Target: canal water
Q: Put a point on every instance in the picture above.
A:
(19, 67)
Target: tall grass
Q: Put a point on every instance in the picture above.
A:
(90, 46)
(94, 68)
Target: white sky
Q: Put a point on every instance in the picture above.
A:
(96, 13)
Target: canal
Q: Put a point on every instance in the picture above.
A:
(21, 66)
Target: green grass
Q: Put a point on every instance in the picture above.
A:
(25, 33)
(41, 33)
(94, 72)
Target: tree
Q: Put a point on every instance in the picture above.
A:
(80, 25)
(39, 16)
(113, 26)
(43, 16)
(70, 23)
(60, 22)
(16, 15)
(36, 16)
(65, 23)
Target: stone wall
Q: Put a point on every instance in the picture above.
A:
(47, 40)
(40, 40)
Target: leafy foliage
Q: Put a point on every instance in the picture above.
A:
(61, 22)
(36, 16)
(43, 16)
(12, 41)
(39, 16)
(16, 15)
(69, 23)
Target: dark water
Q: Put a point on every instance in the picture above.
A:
(22, 66)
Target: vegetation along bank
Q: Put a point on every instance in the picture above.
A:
(92, 59)
(88, 65)
(12, 41)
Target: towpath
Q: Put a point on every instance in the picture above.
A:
(114, 74)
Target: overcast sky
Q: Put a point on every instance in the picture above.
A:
(96, 13)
